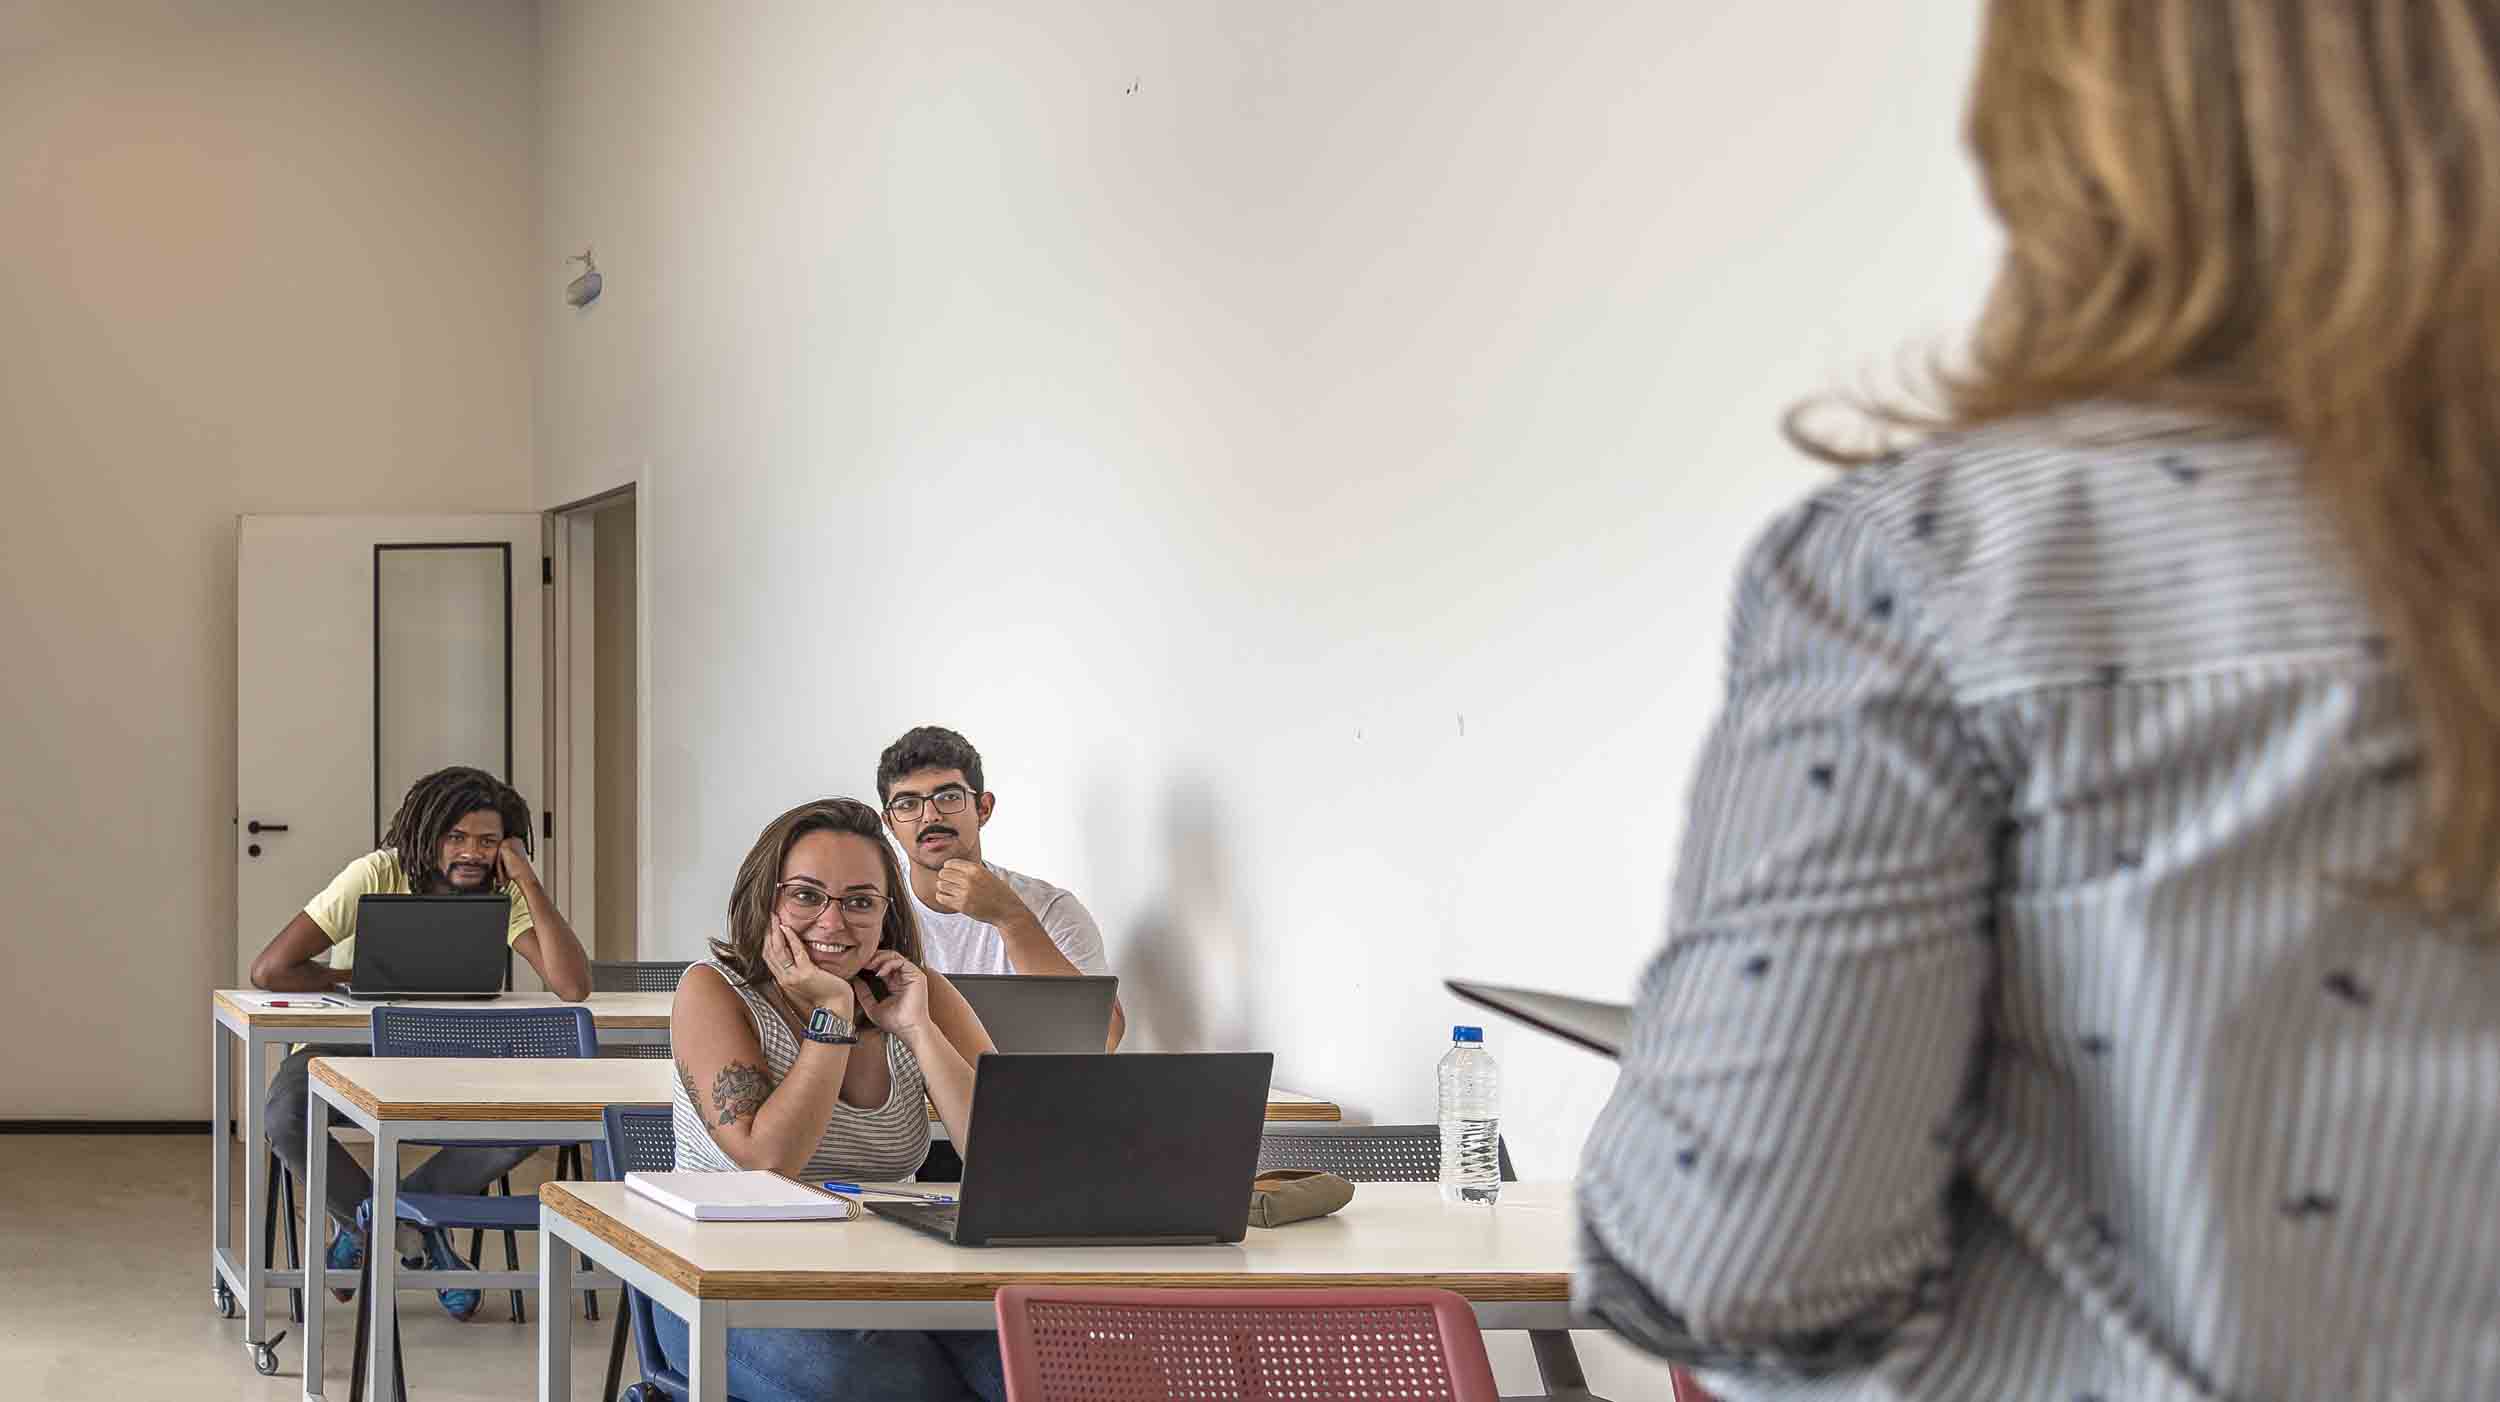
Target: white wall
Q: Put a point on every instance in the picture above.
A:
(1303, 445)
(259, 257)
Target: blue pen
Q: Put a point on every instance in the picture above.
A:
(854, 1188)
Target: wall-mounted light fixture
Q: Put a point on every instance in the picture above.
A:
(583, 290)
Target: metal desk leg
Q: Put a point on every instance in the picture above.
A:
(1558, 1365)
(382, 1253)
(707, 1364)
(255, 1223)
(316, 1241)
(220, 1149)
(555, 1315)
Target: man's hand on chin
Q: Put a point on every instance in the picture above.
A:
(969, 888)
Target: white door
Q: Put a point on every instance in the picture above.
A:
(439, 618)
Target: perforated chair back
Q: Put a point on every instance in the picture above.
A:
(641, 1139)
(1066, 1344)
(637, 975)
(537, 1032)
(1364, 1153)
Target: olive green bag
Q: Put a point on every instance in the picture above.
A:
(1282, 1195)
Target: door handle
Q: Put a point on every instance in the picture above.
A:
(257, 826)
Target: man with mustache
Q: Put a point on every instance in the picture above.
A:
(459, 831)
(976, 918)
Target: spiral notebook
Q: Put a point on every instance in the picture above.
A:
(752, 1195)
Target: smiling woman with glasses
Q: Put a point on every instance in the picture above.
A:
(812, 1043)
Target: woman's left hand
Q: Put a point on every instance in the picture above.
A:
(905, 1006)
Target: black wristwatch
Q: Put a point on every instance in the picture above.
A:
(823, 1026)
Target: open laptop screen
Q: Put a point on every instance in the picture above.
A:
(1041, 1012)
(430, 944)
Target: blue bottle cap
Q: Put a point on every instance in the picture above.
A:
(1466, 1034)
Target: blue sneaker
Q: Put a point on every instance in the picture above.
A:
(459, 1304)
(346, 1253)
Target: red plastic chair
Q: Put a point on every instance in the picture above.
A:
(1068, 1344)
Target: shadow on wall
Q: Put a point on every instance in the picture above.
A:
(1185, 969)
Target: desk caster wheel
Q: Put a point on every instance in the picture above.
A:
(265, 1357)
(224, 1299)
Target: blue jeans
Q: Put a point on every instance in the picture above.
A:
(849, 1365)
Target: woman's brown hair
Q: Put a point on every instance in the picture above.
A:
(2285, 215)
(751, 896)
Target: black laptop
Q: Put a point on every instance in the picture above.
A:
(1041, 1012)
(1083, 1149)
(430, 947)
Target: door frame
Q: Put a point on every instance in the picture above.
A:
(572, 707)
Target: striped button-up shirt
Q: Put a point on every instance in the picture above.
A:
(2024, 1028)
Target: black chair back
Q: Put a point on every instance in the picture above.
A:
(1364, 1153)
(637, 975)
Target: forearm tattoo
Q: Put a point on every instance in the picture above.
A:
(739, 1091)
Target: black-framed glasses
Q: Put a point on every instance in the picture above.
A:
(803, 903)
(904, 807)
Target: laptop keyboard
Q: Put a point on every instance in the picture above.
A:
(935, 1218)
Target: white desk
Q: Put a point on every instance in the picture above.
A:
(398, 1099)
(622, 1018)
(1512, 1262)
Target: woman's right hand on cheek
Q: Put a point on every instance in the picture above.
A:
(794, 969)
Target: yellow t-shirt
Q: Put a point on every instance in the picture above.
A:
(378, 874)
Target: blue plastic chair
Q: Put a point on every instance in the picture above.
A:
(502, 1032)
(641, 1139)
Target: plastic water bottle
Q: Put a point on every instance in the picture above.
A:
(1471, 1131)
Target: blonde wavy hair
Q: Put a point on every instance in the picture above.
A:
(2284, 214)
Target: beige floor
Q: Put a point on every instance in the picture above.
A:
(104, 1292)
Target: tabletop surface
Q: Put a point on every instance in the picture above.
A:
(1391, 1234)
(639, 1011)
(452, 1088)
(558, 1088)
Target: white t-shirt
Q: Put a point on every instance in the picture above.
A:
(959, 944)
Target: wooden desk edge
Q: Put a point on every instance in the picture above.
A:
(461, 1111)
(362, 1015)
(328, 1075)
(975, 1285)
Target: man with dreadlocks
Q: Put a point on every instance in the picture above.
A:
(459, 830)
